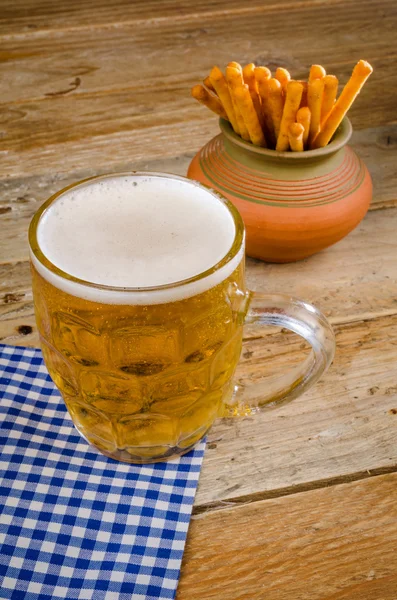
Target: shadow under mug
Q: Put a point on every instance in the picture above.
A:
(145, 377)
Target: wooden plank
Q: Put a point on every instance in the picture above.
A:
(338, 431)
(342, 428)
(171, 51)
(107, 152)
(329, 544)
(102, 132)
(30, 16)
(370, 589)
(21, 196)
(378, 148)
(344, 281)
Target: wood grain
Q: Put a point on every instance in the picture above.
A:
(32, 16)
(102, 132)
(370, 589)
(330, 544)
(344, 281)
(20, 196)
(345, 425)
(341, 429)
(173, 52)
(103, 85)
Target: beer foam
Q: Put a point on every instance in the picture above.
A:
(136, 231)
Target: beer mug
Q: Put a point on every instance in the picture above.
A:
(140, 303)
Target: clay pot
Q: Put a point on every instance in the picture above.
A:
(294, 204)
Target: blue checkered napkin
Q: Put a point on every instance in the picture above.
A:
(73, 523)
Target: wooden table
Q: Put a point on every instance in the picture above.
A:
(298, 503)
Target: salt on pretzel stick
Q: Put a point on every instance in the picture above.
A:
(212, 102)
(316, 72)
(234, 78)
(303, 117)
(262, 76)
(315, 93)
(219, 82)
(275, 103)
(329, 96)
(295, 136)
(283, 76)
(208, 84)
(291, 106)
(249, 79)
(360, 74)
(246, 107)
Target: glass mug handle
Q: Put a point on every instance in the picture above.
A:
(296, 316)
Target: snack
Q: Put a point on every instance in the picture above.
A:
(219, 83)
(263, 80)
(212, 102)
(316, 72)
(275, 103)
(360, 74)
(315, 92)
(234, 78)
(329, 96)
(245, 105)
(303, 117)
(249, 79)
(208, 84)
(291, 106)
(264, 110)
(295, 136)
(283, 76)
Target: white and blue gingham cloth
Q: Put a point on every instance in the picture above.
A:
(73, 523)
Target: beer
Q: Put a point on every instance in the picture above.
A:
(139, 290)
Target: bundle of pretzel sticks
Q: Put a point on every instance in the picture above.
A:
(279, 112)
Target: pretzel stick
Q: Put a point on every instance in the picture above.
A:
(208, 84)
(315, 92)
(360, 74)
(249, 79)
(219, 82)
(295, 136)
(292, 102)
(263, 88)
(212, 102)
(234, 78)
(303, 117)
(330, 91)
(261, 74)
(283, 76)
(316, 72)
(236, 65)
(246, 107)
(304, 92)
(249, 74)
(275, 103)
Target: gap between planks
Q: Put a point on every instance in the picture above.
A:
(328, 544)
(201, 510)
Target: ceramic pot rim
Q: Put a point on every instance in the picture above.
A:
(340, 139)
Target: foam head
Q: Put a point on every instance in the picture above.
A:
(136, 231)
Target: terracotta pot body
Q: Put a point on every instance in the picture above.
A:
(294, 204)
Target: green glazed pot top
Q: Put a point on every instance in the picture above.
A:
(340, 139)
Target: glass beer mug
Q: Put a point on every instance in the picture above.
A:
(140, 303)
